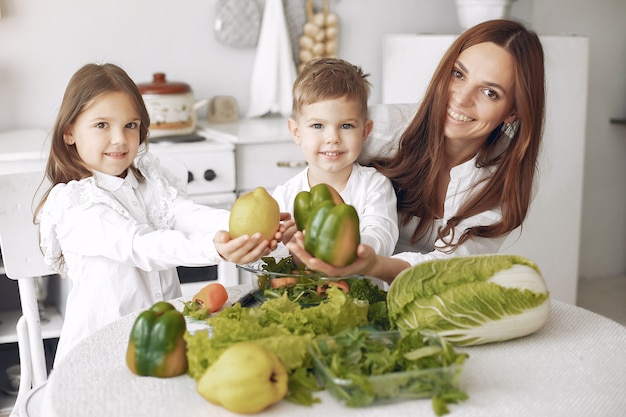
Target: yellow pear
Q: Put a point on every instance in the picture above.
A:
(253, 212)
(246, 379)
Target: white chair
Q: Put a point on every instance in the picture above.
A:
(23, 261)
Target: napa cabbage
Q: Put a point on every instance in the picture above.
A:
(471, 300)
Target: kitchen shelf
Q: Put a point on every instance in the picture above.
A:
(618, 120)
(49, 330)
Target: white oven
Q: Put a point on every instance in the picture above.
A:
(210, 172)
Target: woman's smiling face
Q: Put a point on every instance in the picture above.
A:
(481, 92)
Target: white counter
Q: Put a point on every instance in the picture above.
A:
(257, 130)
(23, 150)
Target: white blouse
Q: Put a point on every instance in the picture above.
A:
(119, 241)
(371, 194)
(462, 178)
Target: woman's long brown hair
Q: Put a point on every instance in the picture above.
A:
(88, 83)
(414, 169)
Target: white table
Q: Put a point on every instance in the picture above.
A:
(574, 366)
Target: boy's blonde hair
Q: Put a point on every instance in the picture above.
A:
(327, 79)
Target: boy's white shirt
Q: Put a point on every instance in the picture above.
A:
(371, 194)
(120, 242)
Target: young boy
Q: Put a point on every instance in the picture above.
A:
(330, 125)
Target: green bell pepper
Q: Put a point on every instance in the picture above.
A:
(307, 201)
(332, 233)
(156, 346)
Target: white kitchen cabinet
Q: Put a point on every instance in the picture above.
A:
(265, 154)
(550, 235)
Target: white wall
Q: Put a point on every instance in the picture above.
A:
(43, 42)
(603, 228)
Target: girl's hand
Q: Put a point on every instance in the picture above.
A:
(364, 263)
(244, 249)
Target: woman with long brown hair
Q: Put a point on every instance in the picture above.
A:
(465, 165)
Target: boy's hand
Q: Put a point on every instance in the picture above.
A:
(365, 261)
(290, 230)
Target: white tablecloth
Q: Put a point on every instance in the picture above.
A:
(574, 366)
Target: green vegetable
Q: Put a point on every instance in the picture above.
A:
(195, 310)
(280, 325)
(361, 367)
(332, 233)
(471, 300)
(284, 266)
(306, 201)
(157, 346)
(305, 291)
(364, 289)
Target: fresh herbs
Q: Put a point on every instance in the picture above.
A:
(195, 310)
(284, 266)
(360, 367)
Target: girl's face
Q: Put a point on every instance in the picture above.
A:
(106, 133)
(330, 134)
(481, 93)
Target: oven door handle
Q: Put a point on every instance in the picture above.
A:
(291, 164)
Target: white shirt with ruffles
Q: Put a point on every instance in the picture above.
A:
(119, 241)
(369, 192)
(462, 178)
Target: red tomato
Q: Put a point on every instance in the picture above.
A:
(212, 296)
(341, 284)
(283, 282)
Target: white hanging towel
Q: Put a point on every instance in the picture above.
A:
(274, 71)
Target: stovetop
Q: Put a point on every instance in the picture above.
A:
(193, 137)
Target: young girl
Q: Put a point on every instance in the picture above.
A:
(465, 165)
(113, 221)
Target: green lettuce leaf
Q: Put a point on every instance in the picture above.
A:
(471, 300)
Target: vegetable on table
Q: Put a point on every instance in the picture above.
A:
(212, 296)
(471, 300)
(208, 300)
(341, 284)
(156, 346)
(361, 367)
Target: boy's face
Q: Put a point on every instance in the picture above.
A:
(330, 134)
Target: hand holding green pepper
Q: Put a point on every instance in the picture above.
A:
(306, 202)
(332, 227)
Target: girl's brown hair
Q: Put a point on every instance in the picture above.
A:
(88, 83)
(414, 169)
